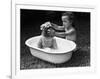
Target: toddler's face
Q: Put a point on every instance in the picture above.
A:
(65, 20)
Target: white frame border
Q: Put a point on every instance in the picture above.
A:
(17, 73)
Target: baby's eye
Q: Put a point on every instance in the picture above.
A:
(66, 21)
(48, 30)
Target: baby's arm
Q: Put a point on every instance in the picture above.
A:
(54, 46)
(40, 43)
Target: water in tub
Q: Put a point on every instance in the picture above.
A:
(63, 46)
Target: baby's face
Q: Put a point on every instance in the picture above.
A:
(65, 20)
(49, 32)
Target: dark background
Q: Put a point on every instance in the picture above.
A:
(30, 26)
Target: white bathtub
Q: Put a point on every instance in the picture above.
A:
(61, 55)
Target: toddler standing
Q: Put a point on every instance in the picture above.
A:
(66, 31)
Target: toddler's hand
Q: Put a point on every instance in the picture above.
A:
(46, 24)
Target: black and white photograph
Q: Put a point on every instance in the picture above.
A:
(54, 39)
(50, 39)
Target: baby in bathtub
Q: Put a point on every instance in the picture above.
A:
(47, 39)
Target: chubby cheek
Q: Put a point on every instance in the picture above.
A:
(65, 23)
(52, 33)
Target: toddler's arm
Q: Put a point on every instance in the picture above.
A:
(70, 31)
(57, 27)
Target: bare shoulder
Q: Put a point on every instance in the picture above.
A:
(72, 29)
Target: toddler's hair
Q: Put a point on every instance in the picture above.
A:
(69, 14)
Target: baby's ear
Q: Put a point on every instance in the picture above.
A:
(42, 27)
